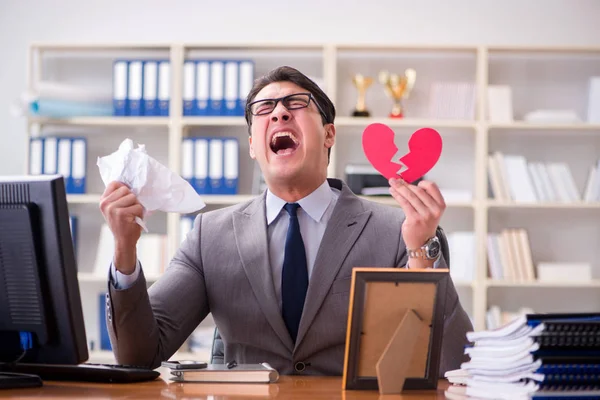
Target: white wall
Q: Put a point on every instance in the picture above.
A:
(533, 22)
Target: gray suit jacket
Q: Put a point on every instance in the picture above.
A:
(223, 268)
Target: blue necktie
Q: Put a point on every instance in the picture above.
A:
(294, 279)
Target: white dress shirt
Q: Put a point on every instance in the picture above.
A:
(313, 215)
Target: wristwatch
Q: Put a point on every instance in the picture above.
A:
(429, 251)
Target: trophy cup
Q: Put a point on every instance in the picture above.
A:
(361, 83)
(398, 88)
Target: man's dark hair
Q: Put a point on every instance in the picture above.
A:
(289, 74)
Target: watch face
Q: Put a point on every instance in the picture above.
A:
(433, 249)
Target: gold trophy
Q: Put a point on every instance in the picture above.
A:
(361, 83)
(398, 88)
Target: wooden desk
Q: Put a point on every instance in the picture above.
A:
(288, 387)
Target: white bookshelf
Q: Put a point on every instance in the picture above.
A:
(102, 121)
(213, 121)
(398, 123)
(210, 199)
(536, 284)
(540, 205)
(462, 166)
(521, 125)
(388, 200)
(84, 198)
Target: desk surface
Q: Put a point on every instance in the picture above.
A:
(288, 387)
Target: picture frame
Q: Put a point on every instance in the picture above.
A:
(395, 329)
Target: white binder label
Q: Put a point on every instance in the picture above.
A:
(78, 171)
(135, 80)
(187, 155)
(164, 80)
(201, 159)
(120, 80)
(216, 80)
(231, 81)
(246, 78)
(50, 156)
(150, 80)
(231, 159)
(188, 80)
(35, 157)
(215, 170)
(202, 81)
(64, 157)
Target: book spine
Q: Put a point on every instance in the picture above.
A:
(568, 386)
(568, 341)
(591, 369)
(565, 326)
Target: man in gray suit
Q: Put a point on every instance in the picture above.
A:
(275, 271)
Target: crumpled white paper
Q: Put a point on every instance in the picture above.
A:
(156, 186)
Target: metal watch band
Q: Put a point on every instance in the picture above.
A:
(419, 253)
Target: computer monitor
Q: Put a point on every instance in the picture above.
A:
(41, 319)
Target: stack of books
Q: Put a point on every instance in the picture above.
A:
(532, 357)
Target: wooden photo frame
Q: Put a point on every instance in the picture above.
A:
(395, 329)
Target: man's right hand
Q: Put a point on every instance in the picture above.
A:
(119, 207)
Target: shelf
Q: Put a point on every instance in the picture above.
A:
(543, 126)
(90, 277)
(209, 199)
(103, 121)
(405, 47)
(540, 205)
(543, 48)
(464, 284)
(212, 199)
(390, 201)
(47, 46)
(408, 123)
(213, 121)
(537, 284)
(83, 198)
(340, 121)
(254, 46)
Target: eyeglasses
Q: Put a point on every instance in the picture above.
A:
(294, 101)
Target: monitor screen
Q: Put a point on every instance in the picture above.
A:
(41, 319)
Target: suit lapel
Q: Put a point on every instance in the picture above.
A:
(250, 229)
(344, 228)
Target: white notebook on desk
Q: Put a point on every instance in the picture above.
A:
(257, 373)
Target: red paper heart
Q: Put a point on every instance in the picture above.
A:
(424, 150)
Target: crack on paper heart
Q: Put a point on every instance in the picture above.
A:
(403, 168)
(397, 159)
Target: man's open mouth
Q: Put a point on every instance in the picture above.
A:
(283, 143)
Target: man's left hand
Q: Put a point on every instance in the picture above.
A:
(423, 205)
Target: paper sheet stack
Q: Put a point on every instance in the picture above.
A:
(501, 365)
(533, 356)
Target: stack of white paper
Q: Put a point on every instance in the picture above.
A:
(501, 364)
